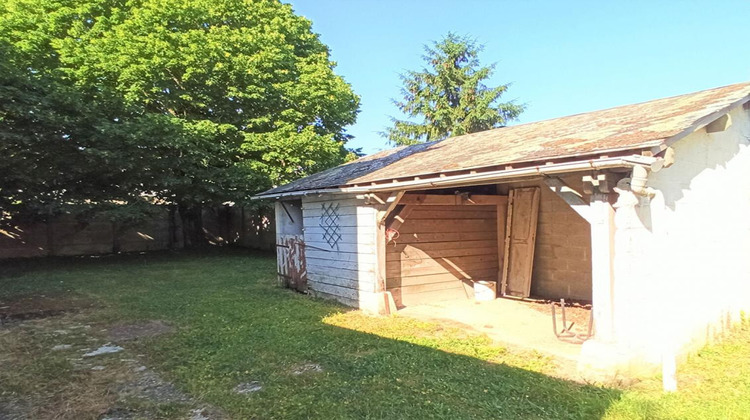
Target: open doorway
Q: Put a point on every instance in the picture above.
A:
(524, 239)
(290, 245)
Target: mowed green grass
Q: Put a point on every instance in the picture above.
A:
(234, 325)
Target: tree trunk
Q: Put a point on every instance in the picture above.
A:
(192, 225)
(116, 231)
(50, 233)
(172, 227)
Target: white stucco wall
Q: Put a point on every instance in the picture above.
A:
(682, 259)
(347, 270)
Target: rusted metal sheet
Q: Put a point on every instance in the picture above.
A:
(626, 128)
(292, 269)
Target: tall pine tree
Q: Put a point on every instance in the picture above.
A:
(449, 95)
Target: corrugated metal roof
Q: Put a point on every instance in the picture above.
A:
(630, 127)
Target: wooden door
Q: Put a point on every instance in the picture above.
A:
(290, 246)
(520, 236)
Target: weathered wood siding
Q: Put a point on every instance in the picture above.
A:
(439, 251)
(342, 267)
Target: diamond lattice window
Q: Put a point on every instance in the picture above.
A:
(329, 221)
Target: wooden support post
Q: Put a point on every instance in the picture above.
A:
(602, 265)
(386, 304)
(381, 253)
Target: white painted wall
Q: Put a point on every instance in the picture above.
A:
(682, 259)
(347, 271)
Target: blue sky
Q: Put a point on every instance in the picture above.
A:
(562, 57)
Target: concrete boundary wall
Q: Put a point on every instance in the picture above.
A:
(67, 236)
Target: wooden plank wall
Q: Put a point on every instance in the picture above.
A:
(439, 251)
(347, 271)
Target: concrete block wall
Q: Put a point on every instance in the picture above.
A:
(255, 229)
(151, 236)
(66, 236)
(246, 227)
(24, 240)
(562, 258)
(562, 255)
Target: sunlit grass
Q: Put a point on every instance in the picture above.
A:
(714, 384)
(449, 339)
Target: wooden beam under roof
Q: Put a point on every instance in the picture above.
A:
(720, 124)
(569, 195)
(452, 200)
(400, 217)
(392, 201)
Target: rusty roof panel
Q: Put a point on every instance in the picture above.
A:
(343, 174)
(630, 127)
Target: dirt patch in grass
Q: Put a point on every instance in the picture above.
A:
(27, 307)
(44, 373)
(134, 331)
(576, 312)
(307, 368)
(149, 385)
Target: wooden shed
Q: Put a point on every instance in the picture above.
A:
(599, 207)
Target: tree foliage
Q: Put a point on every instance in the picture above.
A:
(189, 102)
(449, 95)
(54, 153)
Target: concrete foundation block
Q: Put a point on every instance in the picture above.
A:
(611, 363)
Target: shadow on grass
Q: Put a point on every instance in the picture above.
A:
(14, 267)
(235, 326)
(397, 379)
(364, 375)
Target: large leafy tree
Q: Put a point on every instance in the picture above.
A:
(190, 102)
(449, 95)
(54, 147)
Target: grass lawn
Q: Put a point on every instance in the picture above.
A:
(301, 357)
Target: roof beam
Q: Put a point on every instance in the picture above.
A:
(451, 200)
(400, 217)
(569, 195)
(392, 202)
(480, 178)
(719, 124)
(374, 197)
(700, 123)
